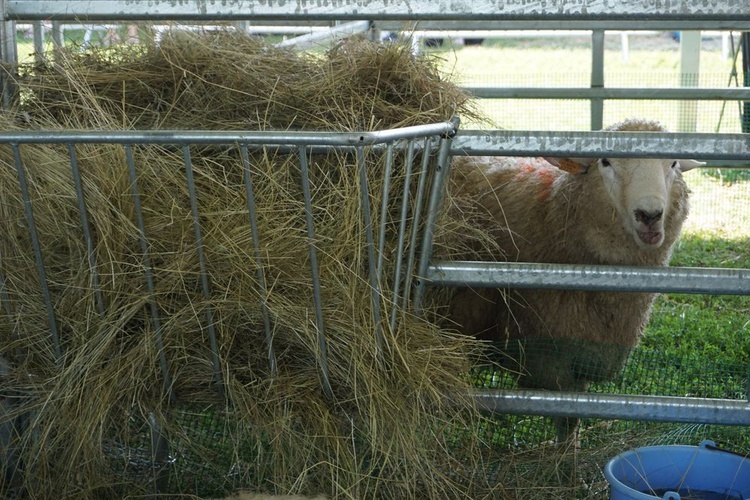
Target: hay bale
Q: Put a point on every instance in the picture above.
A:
(395, 426)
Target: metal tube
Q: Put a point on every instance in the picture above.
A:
(39, 49)
(260, 275)
(375, 294)
(629, 93)
(408, 167)
(86, 227)
(149, 272)
(597, 78)
(317, 299)
(590, 277)
(384, 205)
(615, 406)
(205, 283)
(442, 172)
(416, 219)
(592, 144)
(404, 10)
(260, 139)
(52, 322)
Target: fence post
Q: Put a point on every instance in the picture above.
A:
(745, 45)
(597, 78)
(690, 54)
(9, 56)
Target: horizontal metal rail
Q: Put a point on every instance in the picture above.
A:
(615, 406)
(686, 23)
(589, 277)
(223, 137)
(591, 144)
(676, 93)
(710, 13)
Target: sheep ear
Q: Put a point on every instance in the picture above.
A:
(685, 165)
(572, 165)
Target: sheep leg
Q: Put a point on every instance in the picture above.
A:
(566, 431)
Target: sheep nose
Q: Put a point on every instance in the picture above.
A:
(648, 218)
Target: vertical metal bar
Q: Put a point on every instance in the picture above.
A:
(9, 56)
(322, 344)
(52, 322)
(690, 57)
(159, 455)
(442, 172)
(262, 288)
(371, 259)
(205, 284)
(384, 211)
(38, 32)
(408, 167)
(86, 229)
(416, 220)
(149, 272)
(597, 78)
(4, 299)
(58, 43)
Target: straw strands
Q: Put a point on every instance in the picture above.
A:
(394, 427)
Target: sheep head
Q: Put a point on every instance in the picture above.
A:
(639, 189)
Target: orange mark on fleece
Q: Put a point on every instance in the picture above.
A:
(541, 172)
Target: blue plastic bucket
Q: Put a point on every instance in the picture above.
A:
(679, 473)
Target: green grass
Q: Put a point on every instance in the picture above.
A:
(712, 327)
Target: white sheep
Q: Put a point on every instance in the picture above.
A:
(572, 211)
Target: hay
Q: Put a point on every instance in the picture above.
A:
(390, 430)
(228, 81)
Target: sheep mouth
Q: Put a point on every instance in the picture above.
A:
(652, 238)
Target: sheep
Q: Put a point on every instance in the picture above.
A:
(569, 211)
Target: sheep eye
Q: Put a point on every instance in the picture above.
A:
(674, 164)
(606, 163)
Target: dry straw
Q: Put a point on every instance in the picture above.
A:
(389, 432)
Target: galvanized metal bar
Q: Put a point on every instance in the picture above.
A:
(38, 34)
(9, 56)
(317, 298)
(615, 406)
(402, 228)
(442, 173)
(328, 36)
(624, 93)
(592, 144)
(148, 272)
(447, 26)
(597, 78)
(4, 299)
(205, 282)
(406, 10)
(259, 273)
(690, 280)
(86, 227)
(250, 138)
(159, 454)
(384, 206)
(375, 293)
(416, 220)
(43, 283)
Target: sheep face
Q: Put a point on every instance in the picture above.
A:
(640, 191)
